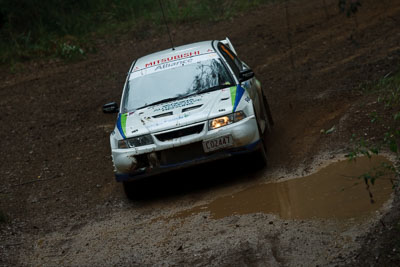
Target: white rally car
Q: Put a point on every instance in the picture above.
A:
(184, 106)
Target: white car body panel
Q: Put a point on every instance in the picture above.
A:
(184, 114)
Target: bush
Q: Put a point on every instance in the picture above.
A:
(386, 118)
(30, 28)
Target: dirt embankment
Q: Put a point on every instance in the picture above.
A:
(57, 183)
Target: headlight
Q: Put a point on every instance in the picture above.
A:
(226, 120)
(135, 141)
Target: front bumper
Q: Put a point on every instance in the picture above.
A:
(140, 174)
(186, 151)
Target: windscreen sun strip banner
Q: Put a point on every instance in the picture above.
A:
(172, 64)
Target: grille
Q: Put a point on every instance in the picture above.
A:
(182, 153)
(179, 133)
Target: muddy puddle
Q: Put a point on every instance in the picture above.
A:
(333, 192)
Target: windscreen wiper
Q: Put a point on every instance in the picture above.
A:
(159, 102)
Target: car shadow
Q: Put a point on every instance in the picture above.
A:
(197, 179)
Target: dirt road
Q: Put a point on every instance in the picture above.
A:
(57, 183)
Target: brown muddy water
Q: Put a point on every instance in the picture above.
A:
(335, 191)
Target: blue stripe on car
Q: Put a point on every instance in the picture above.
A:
(119, 126)
(239, 94)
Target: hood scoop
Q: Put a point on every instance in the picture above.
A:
(163, 115)
(190, 108)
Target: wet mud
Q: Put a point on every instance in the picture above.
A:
(337, 191)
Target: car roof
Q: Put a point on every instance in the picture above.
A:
(180, 52)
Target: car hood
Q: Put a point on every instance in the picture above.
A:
(179, 113)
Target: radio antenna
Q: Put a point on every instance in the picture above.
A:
(166, 25)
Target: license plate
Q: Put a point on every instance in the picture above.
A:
(217, 143)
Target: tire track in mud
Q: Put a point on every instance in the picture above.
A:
(154, 232)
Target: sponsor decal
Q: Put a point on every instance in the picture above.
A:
(178, 104)
(182, 116)
(156, 67)
(172, 58)
(173, 64)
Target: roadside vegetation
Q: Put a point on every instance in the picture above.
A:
(384, 115)
(66, 29)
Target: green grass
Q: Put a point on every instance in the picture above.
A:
(64, 29)
(384, 118)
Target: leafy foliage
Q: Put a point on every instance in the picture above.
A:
(31, 28)
(387, 118)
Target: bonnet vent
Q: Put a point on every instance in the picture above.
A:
(162, 115)
(191, 108)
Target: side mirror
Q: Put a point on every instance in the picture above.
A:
(111, 108)
(246, 75)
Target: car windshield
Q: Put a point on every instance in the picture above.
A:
(175, 80)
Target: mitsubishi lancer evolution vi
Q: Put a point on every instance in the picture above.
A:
(185, 106)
